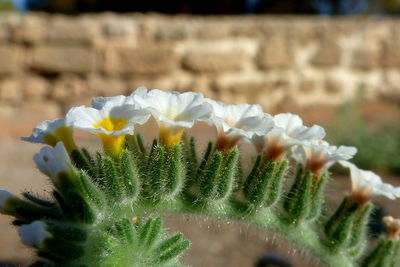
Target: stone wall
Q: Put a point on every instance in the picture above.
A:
(50, 62)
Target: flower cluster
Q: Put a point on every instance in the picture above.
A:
(277, 137)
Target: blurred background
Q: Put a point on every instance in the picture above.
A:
(333, 62)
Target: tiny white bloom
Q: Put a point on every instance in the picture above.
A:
(52, 161)
(367, 183)
(34, 234)
(392, 227)
(173, 111)
(4, 197)
(294, 128)
(51, 132)
(317, 155)
(111, 123)
(99, 102)
(234, 122)
(288, 131)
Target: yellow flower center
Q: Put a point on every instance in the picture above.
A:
(64, 134)
(169, 136)
(112, 144)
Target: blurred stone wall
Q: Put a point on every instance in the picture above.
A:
(50, 62)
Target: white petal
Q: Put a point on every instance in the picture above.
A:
(33, 234)
(42, 129)
(239, 120)
(293, 126)
(99, 102)
(173, 108)
(51, 161)
(4, 196)
(368, 179)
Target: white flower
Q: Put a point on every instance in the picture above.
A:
(53, 161)
(99, 102)
(287, 132)
(366, 183)
(34, 234)
(111, 123)
(173, 111)
(234, 122)
(293, 126)
(4, 197)
(317, 155)
(392, 227)
(51, 132)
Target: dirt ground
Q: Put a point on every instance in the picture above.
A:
(214, 243)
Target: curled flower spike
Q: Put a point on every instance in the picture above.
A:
(392, 227)
(4, 197)
(53, 161)
(317, 156)
(365, 184)
(288, 131)
(111, 123)
(234, 122)
(34, 234)
(51, 132)
(173, 112)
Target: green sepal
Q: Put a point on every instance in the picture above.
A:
(38, 200)
(150, 233)
(334, 219)
(299, 206)
(67, 232)
(129, 175)
(125, 232)
(60, 250)
(111, 181)
(340, 234)
(26, 211)
(171, 248)
(89, 191)
(191, 160)
(275, 185)
(256, 184)
(135, 145)
(317, 197)
(155, 171)
(226, 176)
(381, 256)
(359, 228)
(71, 201)
(208, 179)
(288, 203)
(206, 156)
(81, 162)
(174, 173)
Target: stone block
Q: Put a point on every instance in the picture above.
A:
(10, 90)
(56, 59)
(365, 59)
(68, 87)
(327, 55)
(333, 86)
(39, 110)
(391, 54)
(106, 86)
(10, 59)
(32, 29)
(276, 52)
(213, 62)
(116, 26)
(73, 30)
(35, 87)
(306, 86)
(145, 60)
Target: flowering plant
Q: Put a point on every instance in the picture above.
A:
(104, 207)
